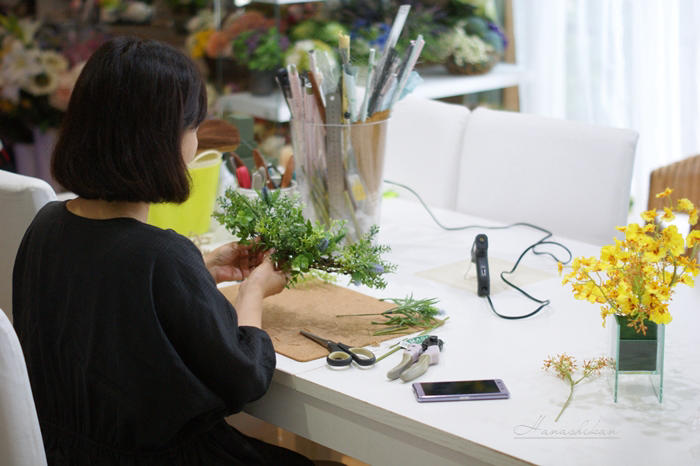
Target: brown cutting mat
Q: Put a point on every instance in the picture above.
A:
(313, 307)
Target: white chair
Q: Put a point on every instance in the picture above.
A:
(423, 148)
(568, 177)
(20, 436)
(21, 197)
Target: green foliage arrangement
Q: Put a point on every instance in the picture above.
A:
(277, 222)
(408, 314)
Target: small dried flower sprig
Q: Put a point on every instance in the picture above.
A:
(635, 277)
(565, 367)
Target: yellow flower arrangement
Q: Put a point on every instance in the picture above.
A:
(635, 277)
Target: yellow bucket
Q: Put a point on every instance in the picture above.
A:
(193, 216)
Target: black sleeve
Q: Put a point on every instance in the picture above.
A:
(235, 362)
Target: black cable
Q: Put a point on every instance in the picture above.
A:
(532, 247)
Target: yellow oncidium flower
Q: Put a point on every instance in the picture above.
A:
(608, 254)
(687, 279)
(673, 240)
(693, 238)
(691, 268)
(667, 192)
(668, 215)
(660, 315)
(635, 277)
(684, 205)
(657, 291)
(649, 215)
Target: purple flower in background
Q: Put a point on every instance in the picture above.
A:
(252, 41)
(284, 42)
(383, 35)
(494, 27)
(375, 34)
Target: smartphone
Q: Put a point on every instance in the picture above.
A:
(490, 389)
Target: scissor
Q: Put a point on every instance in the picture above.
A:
(341, 354)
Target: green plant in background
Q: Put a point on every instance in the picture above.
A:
(408, 314)
(324, 31)
(565, 366)
(277, 222)
(260, 49)
(369, 22)
(432, 23)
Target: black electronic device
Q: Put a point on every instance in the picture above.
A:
(490, 389)
(480, 259)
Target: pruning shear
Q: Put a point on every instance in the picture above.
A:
(416, 358)
(341, 354)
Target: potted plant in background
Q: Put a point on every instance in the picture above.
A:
(262, 51)
(215, 47)
(633, 281)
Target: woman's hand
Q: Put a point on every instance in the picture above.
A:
(262, 282)
(232, 262)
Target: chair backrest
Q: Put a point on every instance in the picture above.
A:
(569, 177)
(682, 176)
(20, 436)
(423, 148)
(21, 197)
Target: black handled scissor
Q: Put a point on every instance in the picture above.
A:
(341, 354)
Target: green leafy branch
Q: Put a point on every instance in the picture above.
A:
(407, 314)
(277, 222)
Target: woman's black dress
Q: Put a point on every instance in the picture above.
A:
(134, 356)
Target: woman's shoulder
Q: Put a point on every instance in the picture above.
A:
(130, 235)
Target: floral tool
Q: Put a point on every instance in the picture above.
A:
(416, 358)
(341, 354)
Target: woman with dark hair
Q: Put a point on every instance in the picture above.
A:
(134, 356)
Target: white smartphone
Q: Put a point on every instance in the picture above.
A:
(490, 389)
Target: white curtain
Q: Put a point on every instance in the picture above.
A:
(621, 63)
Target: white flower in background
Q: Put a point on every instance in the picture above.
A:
(42, 84)
(137, 12)
(20, 64)
(466, 49)
(54, 61)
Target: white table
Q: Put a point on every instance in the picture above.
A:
(362, 414)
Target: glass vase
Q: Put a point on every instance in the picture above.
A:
(340, 171)
(639, 353)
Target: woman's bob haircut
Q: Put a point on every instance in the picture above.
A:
(121, 137)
